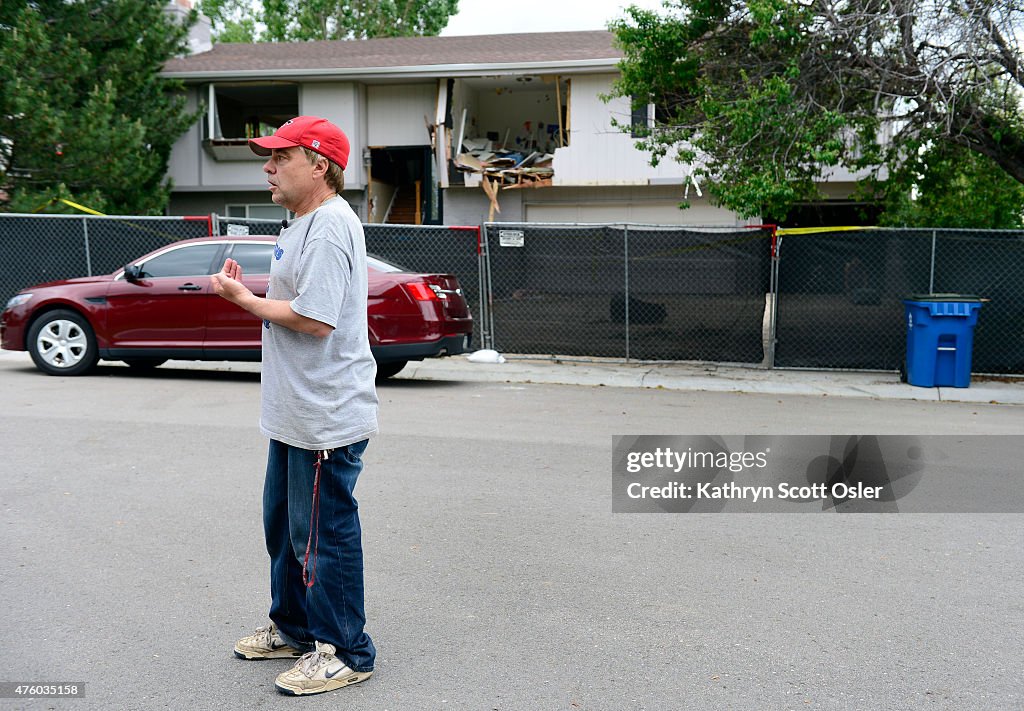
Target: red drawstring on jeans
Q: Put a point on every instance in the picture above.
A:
(314, 520)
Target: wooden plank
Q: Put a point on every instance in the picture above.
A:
(568, 109)
(558, 98)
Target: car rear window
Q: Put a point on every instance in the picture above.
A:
(378, 264)
(254, 258)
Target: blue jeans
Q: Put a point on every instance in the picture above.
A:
(332, 609)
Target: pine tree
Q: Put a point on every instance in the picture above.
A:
(84, 113)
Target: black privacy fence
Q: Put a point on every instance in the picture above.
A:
(794, 299)
(840, 294)
(627, 291)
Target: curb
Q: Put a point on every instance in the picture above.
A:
(708, 378)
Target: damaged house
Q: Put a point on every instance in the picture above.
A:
(444, 130)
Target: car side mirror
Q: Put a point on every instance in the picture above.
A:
(133, 272)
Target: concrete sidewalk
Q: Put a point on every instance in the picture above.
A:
(711, 377)
(670, 376)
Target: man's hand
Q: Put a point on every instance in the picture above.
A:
(228, 283)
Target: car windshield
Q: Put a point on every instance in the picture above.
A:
(378, 264)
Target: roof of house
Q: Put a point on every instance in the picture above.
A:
(402, 55)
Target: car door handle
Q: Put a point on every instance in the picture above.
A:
(189, 287)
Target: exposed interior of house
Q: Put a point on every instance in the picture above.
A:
(402, 189)
(508, 128)
(237, 112)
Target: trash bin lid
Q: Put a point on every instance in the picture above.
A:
(945, 297)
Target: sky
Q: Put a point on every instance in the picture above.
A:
(488, 17)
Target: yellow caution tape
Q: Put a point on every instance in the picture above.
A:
(83, 208)
(75, 205)
(817, 230)
(141, 228)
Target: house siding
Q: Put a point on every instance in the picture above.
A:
(598, 152)
(647, 205)
(342, 103)
(398, 114)
(639, 204)
(183, 166)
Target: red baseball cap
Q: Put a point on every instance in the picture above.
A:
(312, 132)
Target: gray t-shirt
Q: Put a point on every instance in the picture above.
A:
(318, 393)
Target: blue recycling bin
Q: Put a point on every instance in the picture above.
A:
(940, 339)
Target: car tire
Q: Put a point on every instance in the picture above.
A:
(143, 364)
(62, 342)
(390, 368)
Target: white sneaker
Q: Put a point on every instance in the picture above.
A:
(317, 672)
(266, 643)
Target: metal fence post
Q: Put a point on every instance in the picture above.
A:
(484, 286)
(625, 253)
(773, 299)
(491, 340)
(85, 235)
(931, 271)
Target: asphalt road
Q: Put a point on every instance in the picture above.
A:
(131, 557)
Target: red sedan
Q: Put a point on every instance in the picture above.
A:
(161, 306)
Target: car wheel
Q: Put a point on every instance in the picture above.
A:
(143, 363)
(386, 370)
(62, 343)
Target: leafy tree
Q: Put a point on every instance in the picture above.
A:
(296, 20)
(84, 113)
(765, 96)
(947, 185)
(232, 20)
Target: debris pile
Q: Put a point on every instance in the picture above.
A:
(509, 168)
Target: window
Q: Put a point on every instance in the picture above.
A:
(254, 258)
(238, 112)
(666, 110)
(194, 260)
(257, 212)
(243, 111)
(640, 119)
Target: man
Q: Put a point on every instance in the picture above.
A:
(319, 408)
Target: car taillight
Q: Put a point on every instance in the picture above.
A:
(421, 291)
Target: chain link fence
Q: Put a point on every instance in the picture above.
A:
(433, 249)
(224, 226)
(41, 248)
(840, 294)
(840, 297)
(646, 292)
(989, 265)
(627, 291)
